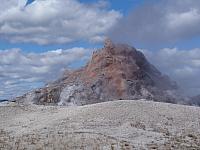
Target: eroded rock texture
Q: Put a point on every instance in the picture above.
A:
(114, 72)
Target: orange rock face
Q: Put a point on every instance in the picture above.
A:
(114, 72)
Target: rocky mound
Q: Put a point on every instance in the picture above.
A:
(115, 72)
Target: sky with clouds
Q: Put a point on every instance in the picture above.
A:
(39, 39)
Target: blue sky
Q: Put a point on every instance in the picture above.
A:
(40, 39)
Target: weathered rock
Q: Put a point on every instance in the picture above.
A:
(114, 72)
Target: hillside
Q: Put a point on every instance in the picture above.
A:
(110, 125)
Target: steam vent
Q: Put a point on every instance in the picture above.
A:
(115, 72)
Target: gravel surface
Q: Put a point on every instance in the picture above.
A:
(105, 126)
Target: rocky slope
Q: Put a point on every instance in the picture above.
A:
(115, 72)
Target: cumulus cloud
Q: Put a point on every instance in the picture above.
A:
(164, 21)
(55, 21)
(182, 65)
(21, 72)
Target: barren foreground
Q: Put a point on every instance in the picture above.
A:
(110, 125)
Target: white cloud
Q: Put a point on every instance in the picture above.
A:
(1, 92)
(54, 21)
(182, 65)
(20, 72)
(183, 19)
(162, 22)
